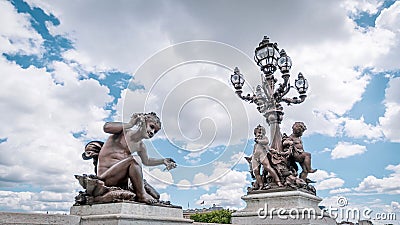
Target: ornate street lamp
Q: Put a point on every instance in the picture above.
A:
(267, 95)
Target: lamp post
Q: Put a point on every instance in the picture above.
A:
(268, 96)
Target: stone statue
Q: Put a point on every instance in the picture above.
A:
(117, 167)
(294, 144)
(260, 157)
(271, 166)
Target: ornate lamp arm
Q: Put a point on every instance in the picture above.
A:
(286, 84)
(295, 100)
(247, 98)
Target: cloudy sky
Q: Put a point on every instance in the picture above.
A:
(68, 66)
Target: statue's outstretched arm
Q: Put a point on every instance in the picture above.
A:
(142, 152)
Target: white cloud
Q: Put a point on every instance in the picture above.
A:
(390, 121)
(40, 150)
(321, 175)
(138, 33)
(184, 185)
(357, 7)
(239, 159)
(389, 22)
(147, 30)
(346, 149)
(44, 201)
(389, 18)
(329, 184)
(231, 185)
(17, 36)
(157, 178)
(340, 190)
(224, 196)
(329, 39)
(326, 180)
(194, 119)
(44, 116)
(165, 197)
(359, 129)
(387, 185)
(222, 174)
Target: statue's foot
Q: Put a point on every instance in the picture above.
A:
(308, 181)
(266, 186)
(312, 171)
(146, 198)
(279, 184)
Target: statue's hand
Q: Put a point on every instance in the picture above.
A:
(288, 143)
(137, 119)
(169, 164)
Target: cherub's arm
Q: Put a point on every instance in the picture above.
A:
(288, 142)
(142, 152)
(262, 141)
(118, 127)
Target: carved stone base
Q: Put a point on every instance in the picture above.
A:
(12, 218)
(128, 213)
(284, 207)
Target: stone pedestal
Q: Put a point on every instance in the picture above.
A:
(285, 207)
(9, 218)
(128, 213)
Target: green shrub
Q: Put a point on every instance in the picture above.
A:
(218, 216)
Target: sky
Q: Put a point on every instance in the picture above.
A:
(67, 67)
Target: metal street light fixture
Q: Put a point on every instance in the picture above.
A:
(268, 95)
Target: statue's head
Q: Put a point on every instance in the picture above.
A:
(92, 149)
(259, 131)
(299, 128)
(153, 124)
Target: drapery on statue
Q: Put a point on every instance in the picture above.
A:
(116, 165)
(279, 167)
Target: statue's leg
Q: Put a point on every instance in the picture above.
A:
(304, 173)
(271, 171)
(121, 171)
(307, 162)
(259, 180)
(151, 190)
(136, 177)
(117, 174)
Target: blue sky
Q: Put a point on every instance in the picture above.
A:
(66, 69)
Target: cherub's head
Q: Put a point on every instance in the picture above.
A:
(92, 149)
(153, 124)
(259, 131)
(298, 128)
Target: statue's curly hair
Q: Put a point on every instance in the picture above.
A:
(301, 124)
(153, 117)
(259, 127)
